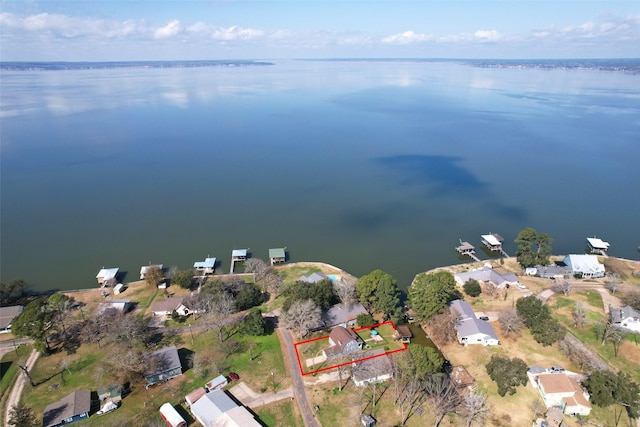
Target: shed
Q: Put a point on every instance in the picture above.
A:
(196, 394)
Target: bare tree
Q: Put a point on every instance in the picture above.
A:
(272, 283)
(257, 267)
(612, 282)
(128, 363)
(302, 317)
(443, 327)
(579, 314)
(153, 275)
(442, 395)
(219, 309)
(345, 291)
(562, 285)
(605, 329)
(511, 323)
(476, 407)
(538, 408)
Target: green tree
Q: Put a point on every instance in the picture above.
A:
(12, 291)
(254, 324)
(507, 373)
(533, 248)
(365, 319)
(21, 415)
(321, 293)
(34, 322)
(430, 293)
(379, 290)
(250, 295)
(607, 388)
(427, 360)
(472, 288)
(183, 279)
(548, 331)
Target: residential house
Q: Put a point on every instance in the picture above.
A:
(218, 409)
(586, 266)
(374, 367)
(146, 268)
(626, 318)
(553, 271)
(162, 365)
(487, 275)
(194, 396)
(71, 408)
(7, 314)
(107, 276)
(168, 306)
(342, 342)
(114, 306)
(343, 315)
(469, 329)
(208, 266)
(277, 255)
(563, 391)
(312, 278)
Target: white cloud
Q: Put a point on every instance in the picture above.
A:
(236, 33)
(408, 37)
(169, 30)
(484, 35)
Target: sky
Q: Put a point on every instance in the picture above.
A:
(125, 30)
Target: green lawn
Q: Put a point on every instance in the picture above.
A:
(9, 371)
(282, 414)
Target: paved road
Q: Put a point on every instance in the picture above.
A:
(16, 392)
(299, 391)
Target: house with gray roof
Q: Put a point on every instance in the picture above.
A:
(626, 318)
(487, 275)
(7, 314)
(470, 329)
(342, 341)
(371, 367)
(71, 408)
(342, 315)
(162, 365)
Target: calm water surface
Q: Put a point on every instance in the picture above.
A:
(362, 165)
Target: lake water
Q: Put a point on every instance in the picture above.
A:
(361, 164)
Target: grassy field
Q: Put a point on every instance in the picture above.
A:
(280, 414)
(9, 371)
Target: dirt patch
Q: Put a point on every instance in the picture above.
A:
(628, 270)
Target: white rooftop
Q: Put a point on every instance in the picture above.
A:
(597, 243)
(107, 273)
(491, 239)
(239, 252)
(207, 263)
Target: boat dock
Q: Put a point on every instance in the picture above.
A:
(468, 249)
(493, 242)
(237, 255)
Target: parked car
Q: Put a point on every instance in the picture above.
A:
(234, 376)
(485, 318)
(521, 286)
(556, 369)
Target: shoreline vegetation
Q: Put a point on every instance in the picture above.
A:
(260, 363)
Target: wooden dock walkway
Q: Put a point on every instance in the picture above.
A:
(468, 249)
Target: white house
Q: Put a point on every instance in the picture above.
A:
(217, 409)
(371, 367)
(487, 275)
(469, 329)
(626, 318)
(168, 306)
(585, 265)
(562, 391)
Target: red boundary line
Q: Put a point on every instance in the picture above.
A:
(346, 363)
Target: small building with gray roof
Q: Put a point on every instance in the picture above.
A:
(469, 329)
